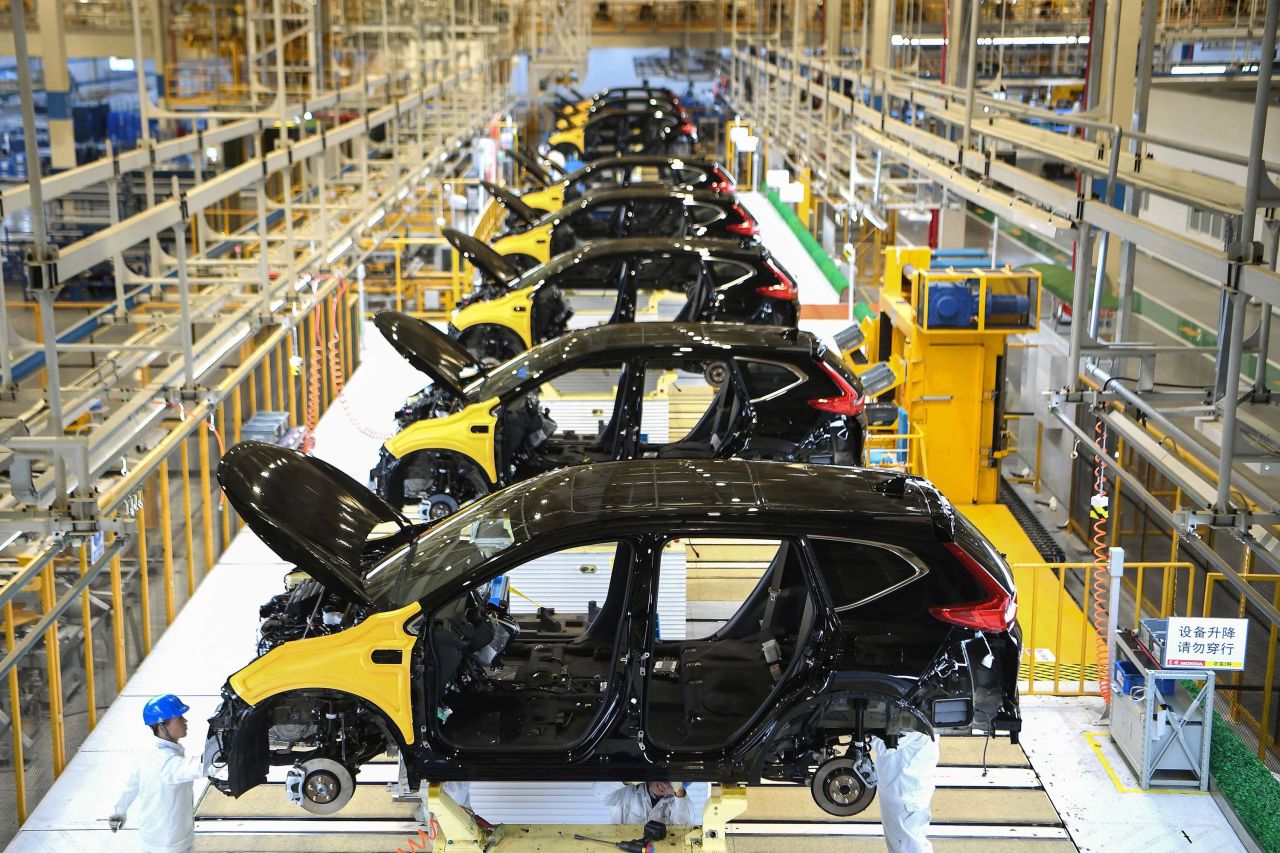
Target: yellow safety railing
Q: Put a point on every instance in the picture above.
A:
(1012, 448)
(1059, 644)
(113, 579)
(899, 451)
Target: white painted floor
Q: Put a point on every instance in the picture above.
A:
(214, 635)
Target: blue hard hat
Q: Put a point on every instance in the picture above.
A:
(163, 708)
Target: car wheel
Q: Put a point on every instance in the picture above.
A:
(437, 507)
(320, 786)
(716, 373)
(839, 790)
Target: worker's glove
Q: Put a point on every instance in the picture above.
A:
(115, 822)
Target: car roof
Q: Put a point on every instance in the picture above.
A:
(645, 245)
(644, 160)
(761, 493)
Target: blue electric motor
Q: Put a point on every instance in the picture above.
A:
(954, 304)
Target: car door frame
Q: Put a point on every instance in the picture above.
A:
(629, 644)
(791, 688)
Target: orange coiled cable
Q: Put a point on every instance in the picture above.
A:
(338, 373)
(314, 371)
(1101, 582)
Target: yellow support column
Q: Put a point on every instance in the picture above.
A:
(166, 542)
(144, 578)
(226, 511)
(117, 619)
(206, 500)
(458, 826)
(86, 618)
(15, 720)
(184, 459)
(53, 661)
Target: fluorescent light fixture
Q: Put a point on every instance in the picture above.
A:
(236, 336)
(338, 252)
(1190, 70)
(375, 218)
(400, 195)
(121, 63)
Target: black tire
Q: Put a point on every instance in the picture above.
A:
(838, 790)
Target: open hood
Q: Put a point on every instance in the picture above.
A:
(511, 202)
(485, 259)
(532, 166)
(430, 350)
(307, 511)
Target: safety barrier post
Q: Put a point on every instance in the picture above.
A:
(117, 618)
(166, 541)
(1115, 560)
(206, 496)
(15, 720)
(226, 512)
(184, 459)
(278, 355)
(144, 579)
(53, 662)
(86, 618)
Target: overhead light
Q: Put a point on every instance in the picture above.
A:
(1194, 70)
(236, 336)
(121, 63)
(400, 195)
(373, 220)
(339, 251)
(939, 41)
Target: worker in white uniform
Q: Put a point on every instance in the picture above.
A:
(161, 783)
(641, 802)
(906, 782)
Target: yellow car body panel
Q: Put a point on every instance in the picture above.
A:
(574, 136)
(536, 243)
(344, 662)
(549, 199)
(512, 311)
(469, 432)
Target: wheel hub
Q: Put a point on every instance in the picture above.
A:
(321, 787)
(843, 787)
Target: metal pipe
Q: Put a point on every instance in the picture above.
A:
(1260, 386)
(1100, 274)
(1165, 515)
(1080, 293)
(971, 69)
(1243, 255)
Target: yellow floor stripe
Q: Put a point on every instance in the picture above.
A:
(1093, 738)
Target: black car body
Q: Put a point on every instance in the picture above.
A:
(881, 611)
(643, 131)
(682, 173)
(642, 211)
(723, 281)
(774, 394)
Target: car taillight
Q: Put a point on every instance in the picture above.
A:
(783, 288)
(849, 402)
(747, 227)
(995, 612)
(723, 181)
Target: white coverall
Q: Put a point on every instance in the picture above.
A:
(162, 785)
(906, 789)
(631, 803)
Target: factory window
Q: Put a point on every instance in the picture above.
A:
(1205, 222)
(858, 573)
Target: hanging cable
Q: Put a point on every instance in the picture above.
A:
(315, 367)
(1099, 512)
(338, 373)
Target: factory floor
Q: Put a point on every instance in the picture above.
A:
(1064, 788)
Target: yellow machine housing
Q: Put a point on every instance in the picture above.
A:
(469, 432)
(536, 243)
(952, 371)
(342, 662)
(511, 312)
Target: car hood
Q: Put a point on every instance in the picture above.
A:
(485, 259)
(511, 202)
(308, 512)
(532, 166)
(430, 350)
